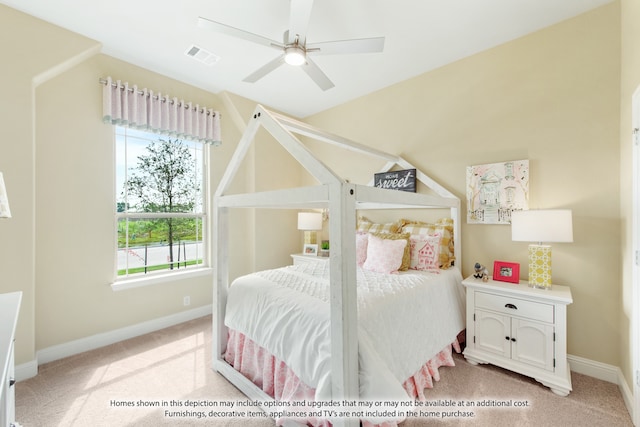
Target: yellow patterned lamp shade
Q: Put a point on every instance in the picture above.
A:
(544, 225)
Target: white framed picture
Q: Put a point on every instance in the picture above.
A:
(495, 190)
(310, 249)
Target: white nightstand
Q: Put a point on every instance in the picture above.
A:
(521, 329)
(300, 258)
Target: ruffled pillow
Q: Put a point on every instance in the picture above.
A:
(406, 258)
(361, 247)
(384, 255)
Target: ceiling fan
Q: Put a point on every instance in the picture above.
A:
(295, 50)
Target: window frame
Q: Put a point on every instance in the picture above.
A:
(128, 281)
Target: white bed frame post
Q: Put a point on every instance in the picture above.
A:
(343, 295)
(457, 232)
(342, 199)
(221, 250)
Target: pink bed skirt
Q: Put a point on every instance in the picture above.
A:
(276, 379)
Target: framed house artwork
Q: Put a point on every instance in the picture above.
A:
(495, 190)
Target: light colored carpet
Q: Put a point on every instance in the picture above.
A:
(174, 364)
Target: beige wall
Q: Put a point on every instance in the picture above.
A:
(75, 243)
(551, 97)
(630, 82)
(270, 234)
(58, 164)
(30, 49)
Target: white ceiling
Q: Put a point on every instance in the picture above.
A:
(420, 35)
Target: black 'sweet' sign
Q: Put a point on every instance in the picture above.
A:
(404, 180)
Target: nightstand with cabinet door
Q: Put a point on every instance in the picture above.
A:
(521, 329)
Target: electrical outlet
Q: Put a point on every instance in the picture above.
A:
(187, 300)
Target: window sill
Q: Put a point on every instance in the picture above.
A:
(125, 284)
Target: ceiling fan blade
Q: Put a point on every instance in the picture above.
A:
(317, 75)
(370, 45)
(236, 32)
(299, 16)
(264, 70)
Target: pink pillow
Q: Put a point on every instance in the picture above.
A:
(425, 252)
(361, 247)
(384, 255)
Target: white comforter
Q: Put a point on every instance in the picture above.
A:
(403, 319)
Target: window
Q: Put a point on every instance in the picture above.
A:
(160, 209)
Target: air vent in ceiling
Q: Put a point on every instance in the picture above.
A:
(201, 55)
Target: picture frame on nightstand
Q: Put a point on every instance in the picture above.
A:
(504, 271)
(310, 249)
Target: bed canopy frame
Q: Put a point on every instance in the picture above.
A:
(342, 199)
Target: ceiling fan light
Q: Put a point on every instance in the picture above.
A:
(294, 55)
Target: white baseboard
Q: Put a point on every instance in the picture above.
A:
(605, 372)
(598, 370)
(627, 394)
(60, 351)
(27, 370)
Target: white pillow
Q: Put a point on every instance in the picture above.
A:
(384, 255)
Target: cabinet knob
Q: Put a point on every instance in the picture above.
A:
(507, 338)
(513, 339)
(511, 306)
(12, 381)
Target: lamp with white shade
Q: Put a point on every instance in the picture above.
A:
(5, 212)
(310, 223)
(542, 225)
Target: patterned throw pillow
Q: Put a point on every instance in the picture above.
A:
(384, 255)
(425, 252)
(445, 229)
(363, 224)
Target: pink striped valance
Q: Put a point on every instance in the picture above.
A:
(125, 105)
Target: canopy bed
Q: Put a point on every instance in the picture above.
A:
(347, 323)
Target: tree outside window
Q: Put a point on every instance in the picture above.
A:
(159, 203)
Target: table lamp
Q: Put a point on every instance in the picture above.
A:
(543, 225)
(310, 222)
(5, 212)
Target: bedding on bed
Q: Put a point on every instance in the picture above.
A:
(404, 320)
(276, 379)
